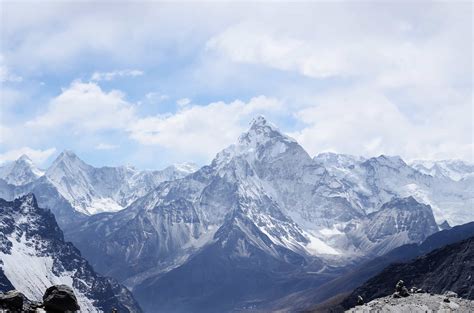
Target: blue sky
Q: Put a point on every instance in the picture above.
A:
(151, 83)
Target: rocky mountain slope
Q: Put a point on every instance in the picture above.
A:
(34, 256)
(446, 269)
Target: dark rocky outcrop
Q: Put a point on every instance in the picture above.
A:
(60, 298)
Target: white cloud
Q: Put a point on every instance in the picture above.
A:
(363, 121)
(86, 107)
(249, 43)
(98, 76)
(201, 130)
(38, 156)
(183, 102)
(106, 146)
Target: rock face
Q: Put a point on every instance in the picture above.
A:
(33, 255)
(446, 269)
(73, 190)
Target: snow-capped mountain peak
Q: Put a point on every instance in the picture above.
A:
(261, 131)
(21, 171)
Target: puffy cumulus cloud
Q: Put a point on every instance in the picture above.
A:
(365, 122)
(389, 49)
(251, 43)
(98, 76)
(38, 156)
(201, 130)
(86, 107)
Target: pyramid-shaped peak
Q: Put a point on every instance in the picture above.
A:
(261, 131)
(69, 158)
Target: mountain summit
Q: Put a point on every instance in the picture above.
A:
(20, 172)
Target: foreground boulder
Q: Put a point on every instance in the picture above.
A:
(60, 298)
(12, 300)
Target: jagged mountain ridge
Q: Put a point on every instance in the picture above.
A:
(34, 256)
(451, 169)
(378, 179)
(73, 189)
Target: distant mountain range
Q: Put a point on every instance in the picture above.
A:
(71, 188)
(262, 221)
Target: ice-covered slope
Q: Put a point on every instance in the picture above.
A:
(34, 256)
(20, 172)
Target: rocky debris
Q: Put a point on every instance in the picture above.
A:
(60, 298)
(416, 303)
(360, 300)
(401, 290)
